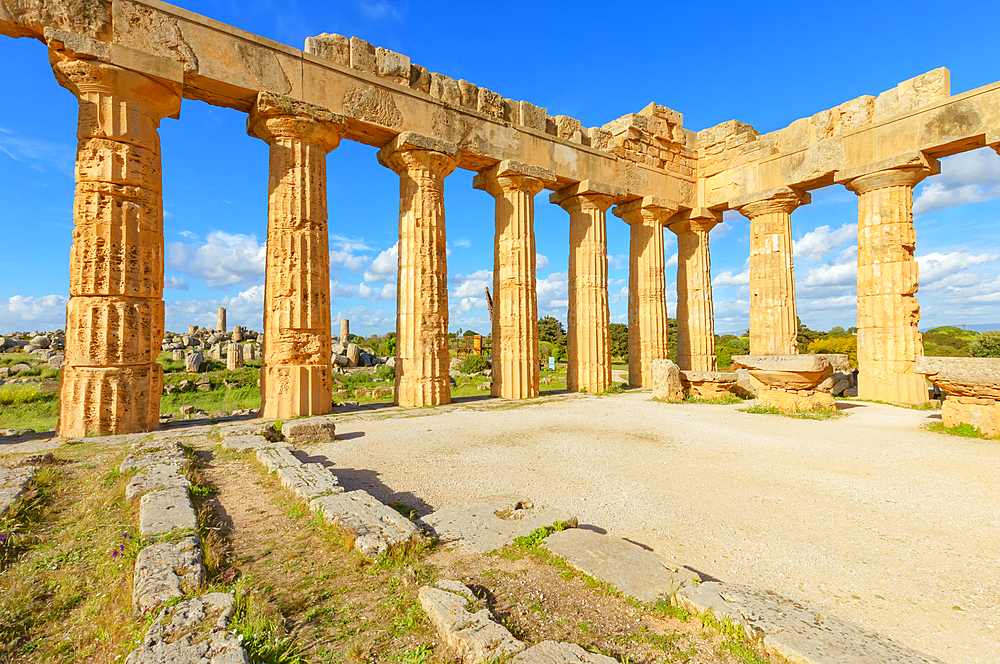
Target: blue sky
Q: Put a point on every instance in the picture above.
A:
(765, 66)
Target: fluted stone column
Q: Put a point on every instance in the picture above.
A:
(648, 336)
(695, 315)
(111, 383)
(422, 357)
(588, 340)
(889, 341)
(515, 301)
(295, 378)
(774, 327)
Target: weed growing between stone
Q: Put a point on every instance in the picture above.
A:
(720, 401)
(799, 414)
(736, 640)
(964, 430)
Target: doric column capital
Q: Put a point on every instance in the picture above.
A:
(698, 220)
(646, 211)
(587, 195)
(780, 200)
(275, 117)
(509, 176)
(85, 78)
(410, 152)
(897, 177)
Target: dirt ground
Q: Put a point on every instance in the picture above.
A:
(867, 516)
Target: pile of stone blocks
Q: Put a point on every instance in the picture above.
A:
(973, 388)
(792, 383)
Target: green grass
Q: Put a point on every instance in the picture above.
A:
(262, 633)
(727, 400)
(222, 399)
(800, 414)
(28, 407)
(964, 430)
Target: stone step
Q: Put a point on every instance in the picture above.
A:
(153, 478)
(492, 523)
(162, 511)
(374, 526)
(552, 652)
(309, 481)
(163, 571)
(633, 570)
(789, 629)
(195, 630)
(471, 637)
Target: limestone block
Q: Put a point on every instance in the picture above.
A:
(162, 511)
(963, 376)
(362, 55)
(353, 355)
(472, 638)
(309, 480)
(642, 574)
(193, 361)
(551, 652)
(335, 48)
(532, 116)
(919, 91)
(165, 571)
(983, 416)
(234, 356)
(667, 381)
(490, 103)
(512, 111)
(374, 526)
(708, 384)
(469, 93)
(154, 478)
(492, 523)
(154, 454)
(392, 66)
(445, 88)
(791, 401)
(13, 483)
(104, 331)
(794, 631)
(274, 458)
(249, 442)
(195, 630)
(177, 356)
(566, 127)
(420, 78)
(309, 430)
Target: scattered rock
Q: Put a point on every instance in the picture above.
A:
(353, 355)
(187, 409)
(193, 361)
(492, 523)
(374, 526)
(19, 368)
(628, 567)
(309, 429)
(667, 381)
(163, 571)
(472, 637)
(193, 631)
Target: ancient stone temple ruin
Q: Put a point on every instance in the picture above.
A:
(131, 62)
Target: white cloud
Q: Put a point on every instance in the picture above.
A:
(617, 262)
(727, 278)
(44, 313)
(462, 242)
(968, 177)
(541, 261)
(37, 153)
(936, 266)
(188, 234)
(817, 243)
(385, 266)
(224, 260)
(176, 283)
(345, 253)
(472, 285)
(342, 290)
(832, 274)
(672, 261)
(381, 9)
(553, 294)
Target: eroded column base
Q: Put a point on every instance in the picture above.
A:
(902, 388)
(984, 414)
(104, 401)
(422, 392)
(296, 390)
(795, 401)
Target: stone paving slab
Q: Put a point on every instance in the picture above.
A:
(374, 526)
(164, 570)
(471, 637)
(194, 631)
(153, 478)
(162, 511)
(551, 652)
(249, 442)
(310, 480)
(13, 483)
(492, 523)
(274, 458)
(309, 429)
(151, 454)
(794, 631)
(642, 574)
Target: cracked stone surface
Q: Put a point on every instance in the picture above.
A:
(308, 481)
(794, 631)
(374, 526)
(633, 570)
(193, 631)
(274, 458)
(164, 570)
(249, 442)
(309, 429)
(472, 637)
(551, 652)
(163, 476)
(13, 483)
(151, 454)
(162, 511)
(478, 527)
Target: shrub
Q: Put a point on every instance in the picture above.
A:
(986, 344)
(385, 372)
(842, 345)
(474, 364)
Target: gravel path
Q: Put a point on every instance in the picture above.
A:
(867, 516)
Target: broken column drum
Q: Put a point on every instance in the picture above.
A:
(111, 383)
(422, 354)
(295, 377)
(889, 341)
